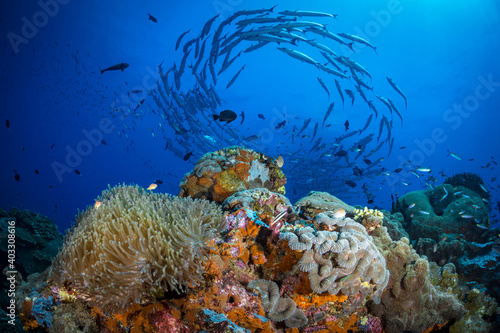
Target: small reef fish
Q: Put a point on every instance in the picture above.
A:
(7, 123)
(152, 18)
(339, 213)
(152, 186)
(340, 153)
(350, 183)
(279, 217)
(17, 177)
(454, 155)
(226, 115)
(77, 172)
(242, 115)
(369, 195)
(97, 204)
(187, 156)
(346, 125)
(424, 170)
(119, 67)
(280, 161)
(261, 116)
(445, 194)
(280, 125)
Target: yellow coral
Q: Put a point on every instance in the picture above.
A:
(360, 214)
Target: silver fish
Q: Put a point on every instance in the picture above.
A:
(324, 86)
(395, 86)
(299, 55)
(327, 114)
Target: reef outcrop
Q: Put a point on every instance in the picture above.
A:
(220, 174)
(450, 224)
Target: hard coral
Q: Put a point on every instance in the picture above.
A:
(471, 181)
(341, 258)
(317, 202)
(278, 308)
(411, 302)
(217, 175)
(136, 246)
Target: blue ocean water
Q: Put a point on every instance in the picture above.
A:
(65, 117)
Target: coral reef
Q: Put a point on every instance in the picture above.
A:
(451, 225)
(37, 240)
(250, 261)
(369, 218)
(411, 302)
(73, 317)
(136, 246)
(220, 174)
(471, 181)
(344, 257)
(394, 225)
(318, 202)
(278, 308)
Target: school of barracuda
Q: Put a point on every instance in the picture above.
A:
(207, 57)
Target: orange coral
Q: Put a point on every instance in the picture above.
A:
(241, 318)
(27, 319)
(242, 169)
(205, 182)
(252, 230)
(136, 319)
(214, 266)
(344, 325)
(281, 259)
(258, 256)
(317, 300)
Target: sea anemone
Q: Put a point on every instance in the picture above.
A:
(135, 246)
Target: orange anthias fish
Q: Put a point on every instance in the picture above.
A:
(152, 186)
(97, 204)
